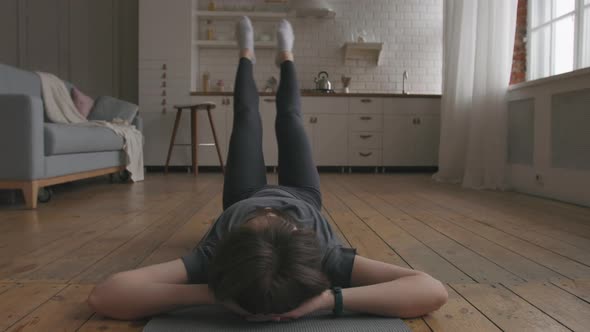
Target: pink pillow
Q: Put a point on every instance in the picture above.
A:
(83, 102)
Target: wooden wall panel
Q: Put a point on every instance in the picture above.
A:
(9, 32)
(42, 35)
(92, 43)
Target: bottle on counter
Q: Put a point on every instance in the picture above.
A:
(220, 86)
(210, 30)
(206, 81)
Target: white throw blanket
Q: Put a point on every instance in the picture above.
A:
(60, 108)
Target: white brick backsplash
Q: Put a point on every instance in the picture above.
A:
(410, 29)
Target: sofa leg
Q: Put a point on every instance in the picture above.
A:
(30, 191)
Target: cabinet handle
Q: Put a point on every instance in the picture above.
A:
(163, 84)
(269, 100)
(164, 67)
(164, 101)
(366, 101)
(419, 121)
(414, 121)
(366, 118)
(164, 76)
(366, 136)
(365, 155)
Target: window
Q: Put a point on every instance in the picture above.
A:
(559, 37)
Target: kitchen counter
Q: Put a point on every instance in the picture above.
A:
(306, 93)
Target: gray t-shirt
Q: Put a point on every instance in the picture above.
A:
(337, 262)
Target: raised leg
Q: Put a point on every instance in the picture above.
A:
(174, 130)
(194, 142)
(296, 165)
(245, 170)
(216, 141)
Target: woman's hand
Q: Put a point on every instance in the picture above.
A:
(324, 301)
(235, 308)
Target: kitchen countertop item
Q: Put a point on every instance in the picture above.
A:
(322, 83)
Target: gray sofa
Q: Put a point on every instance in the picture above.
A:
(35, 153)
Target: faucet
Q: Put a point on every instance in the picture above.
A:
(404, 79)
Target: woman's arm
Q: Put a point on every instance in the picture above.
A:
(382, 289)
(385, 289)
(147, 291)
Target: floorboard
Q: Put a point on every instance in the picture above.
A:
(511, 262)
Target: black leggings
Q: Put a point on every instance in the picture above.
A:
(245, 171)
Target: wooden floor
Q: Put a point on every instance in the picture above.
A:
(511, 262)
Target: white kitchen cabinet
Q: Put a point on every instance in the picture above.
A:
(427, 140)
(326, 122)
(324, 105)
(329, 139)
(411, 140)
(164, 29)
(326, 129)
(366, 105)
(164, 64)
(399, 140)
(405, 133)
(366, 128)
(411, 131)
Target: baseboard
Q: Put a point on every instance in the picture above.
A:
(322, 169)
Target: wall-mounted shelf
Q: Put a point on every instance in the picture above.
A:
(230, 44)
(267, 16)
(354, 51)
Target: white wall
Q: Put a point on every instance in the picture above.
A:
(410, 29)
(92, 43)
(568, 185)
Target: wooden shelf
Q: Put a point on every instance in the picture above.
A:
(230, 44)
(268, 16)
(354, 50)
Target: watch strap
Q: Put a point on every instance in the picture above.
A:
(338, 301)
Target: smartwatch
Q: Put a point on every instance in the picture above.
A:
(338, 303)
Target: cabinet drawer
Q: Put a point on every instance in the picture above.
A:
(365, 140)
(323, 105)
(366, 122)
(366, 105)
(412, 106)
(364, 157)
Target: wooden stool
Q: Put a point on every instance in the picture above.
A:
(194, 108)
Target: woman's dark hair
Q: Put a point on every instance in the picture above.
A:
(270, 268)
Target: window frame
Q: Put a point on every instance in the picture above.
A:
(578, 12)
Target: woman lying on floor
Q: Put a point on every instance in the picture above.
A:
(271, 255)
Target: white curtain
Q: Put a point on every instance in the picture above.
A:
(477, 60)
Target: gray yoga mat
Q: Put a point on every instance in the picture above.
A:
(217, 319)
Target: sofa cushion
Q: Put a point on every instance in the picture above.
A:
(108, 108)
(66, 139)
(82, 102)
